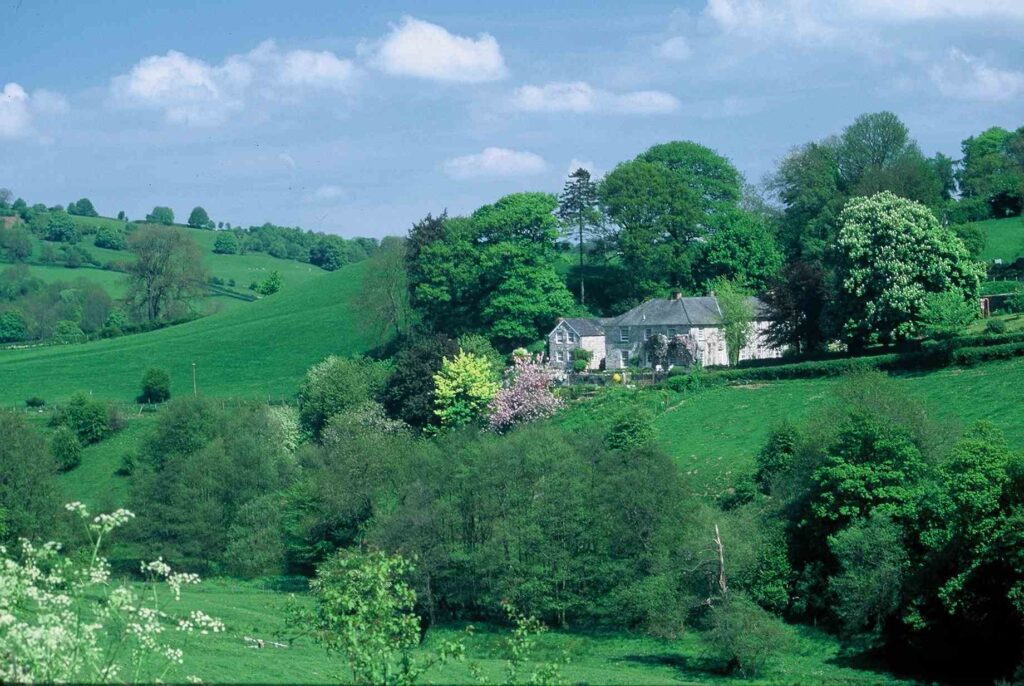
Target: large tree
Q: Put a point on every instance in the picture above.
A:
(167, 275)
(579, 212)
(892, 252)
(662, 202)
(383, 299)
(199, 219)
(741, 248)
(161, 215)
(992, 171)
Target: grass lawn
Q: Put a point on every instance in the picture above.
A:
(1005, 238)
(260, 350)
(249, 609)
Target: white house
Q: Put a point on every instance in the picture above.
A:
(617, 341)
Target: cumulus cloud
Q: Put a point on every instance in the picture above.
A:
(916, 10)
(428, 51)
(191, 91)
(581, 97)
(674, 49)
(19, 109)
(967, 77)
(494, 162)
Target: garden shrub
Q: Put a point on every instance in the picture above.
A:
(995, 326)
(742, 636)
(88, 418)
(35, 401)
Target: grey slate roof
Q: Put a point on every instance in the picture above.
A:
(585, 327)
(703, 311)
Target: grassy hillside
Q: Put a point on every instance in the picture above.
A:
(244, 269)
(715, 436)
(1005, 238)
(259, 350)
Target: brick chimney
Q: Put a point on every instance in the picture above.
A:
(677, 295)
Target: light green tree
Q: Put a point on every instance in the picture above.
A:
(463, 389)
(737, 316)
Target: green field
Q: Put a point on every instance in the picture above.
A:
(257, 351)
(1005, 238)
(250, 609)
(714, 436)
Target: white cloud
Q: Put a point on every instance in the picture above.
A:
(576, 163)
(675, 49)
(967, 77)
(494, 162)
(428, 51)
(287, 160)
(581, 97)
(916, 10)
(18, 109)
(191, 91)
(763, 21)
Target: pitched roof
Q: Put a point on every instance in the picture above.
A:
(703, 311)
(585, 327)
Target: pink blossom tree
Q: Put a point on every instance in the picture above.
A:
(525, 395)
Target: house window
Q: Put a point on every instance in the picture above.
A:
(625, 358)
(560, 356)
(624, 334)
(647, 333)
(572, 337)
(700, 334)
(559, 336)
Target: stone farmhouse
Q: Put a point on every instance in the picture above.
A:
(616, 342)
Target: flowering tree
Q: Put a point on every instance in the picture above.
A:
(656, 348)
(463, 389)
(525, 395)
(62, 620)
(682, 349)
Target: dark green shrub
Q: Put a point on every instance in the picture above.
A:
(128, 463)
(632, 430)
(995, 326)
(35, 401)
(776, 457)
(579, 365)
(156, 386)
(65, 448)
(89, 419)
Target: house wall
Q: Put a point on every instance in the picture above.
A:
(711, 347)
(563, 348)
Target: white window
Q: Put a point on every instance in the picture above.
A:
(560, 355)
(625, 357)
(647, 333)
(572, 337)
(624, 334)
(559, 336)
(700, 335)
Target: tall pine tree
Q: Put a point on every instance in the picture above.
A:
(578, 211)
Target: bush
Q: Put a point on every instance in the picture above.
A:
(89, 419)
(742, 636)
(338, 384)
(66, 448)
(995, 326)
(111, 239)
(35, 401)
(156, 386)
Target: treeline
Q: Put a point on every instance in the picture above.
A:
(59, 226)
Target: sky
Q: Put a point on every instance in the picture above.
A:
(358, 118)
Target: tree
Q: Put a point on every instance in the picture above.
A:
(13, 327)
(161, 215)
(579, 212)
(992, 171)
(65, 448)
(891, 253)
(409, 394)
(16, 243)
(463, 389)
(947, 314)
(110, 239)
(336, 385)
(737, 317)
(271, 284)
(741, 249)
(872, 142)
(83, 208)
(384, 298)
(796, 307)
(60, 227)
(326, 255)
(525, 395)
(86, 417)
(167, 275)
(225, 243)
(28, 491)
(662, 202)
(198, 219)
(156, 386)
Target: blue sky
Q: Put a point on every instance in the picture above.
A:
(359, 118)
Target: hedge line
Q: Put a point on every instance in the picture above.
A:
(933, 357)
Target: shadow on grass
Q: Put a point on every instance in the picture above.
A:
(686, 665)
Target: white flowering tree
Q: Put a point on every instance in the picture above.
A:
(892, 252)
(65, 620)
(525, 395)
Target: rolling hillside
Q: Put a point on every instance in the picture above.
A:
(260, 350)
(1005, 238)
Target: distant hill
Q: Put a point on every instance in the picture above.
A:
(259, 350)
